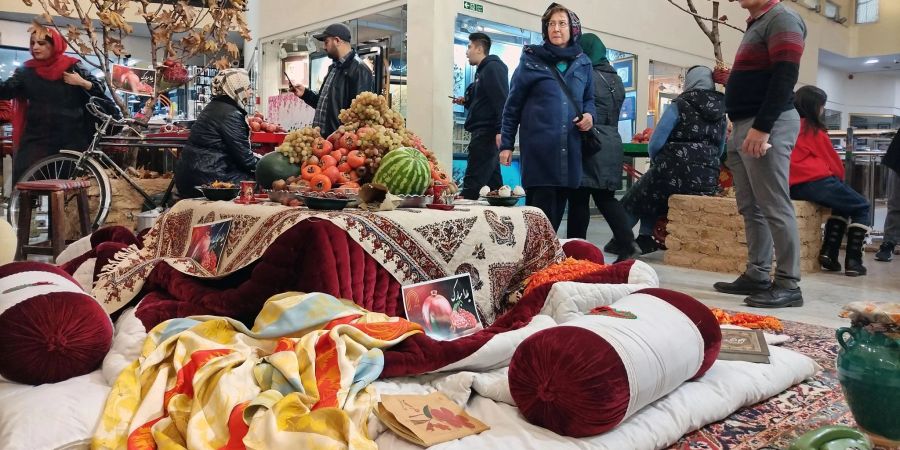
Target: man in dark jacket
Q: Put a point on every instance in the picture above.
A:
(484, 100)
(892, 221)
(218, 148)
(759, 101)
(346, 78)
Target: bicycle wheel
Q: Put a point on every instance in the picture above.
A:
(64, 166)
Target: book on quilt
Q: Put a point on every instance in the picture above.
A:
(208, 242)
(744, 345)
(426, 420)
(444, 307)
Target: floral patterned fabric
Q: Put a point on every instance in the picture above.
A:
(500, 247)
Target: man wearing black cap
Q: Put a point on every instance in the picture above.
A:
(346, 78)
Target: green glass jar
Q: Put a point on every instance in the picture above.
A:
(868, 367)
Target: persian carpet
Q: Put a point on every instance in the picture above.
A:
(778, 421)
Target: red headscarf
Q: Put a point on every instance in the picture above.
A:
(50, 69)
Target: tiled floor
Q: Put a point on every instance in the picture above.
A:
(824, 293)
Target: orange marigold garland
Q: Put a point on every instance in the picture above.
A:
(567, 270)
(748, 320)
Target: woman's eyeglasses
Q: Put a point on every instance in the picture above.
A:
(560, 25)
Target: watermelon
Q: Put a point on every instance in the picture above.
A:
(404, 171)
(274, 166)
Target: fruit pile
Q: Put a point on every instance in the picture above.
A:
(258, 124)
(174, 73)
(353, 154)
(643, 137)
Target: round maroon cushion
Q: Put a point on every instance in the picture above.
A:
(53, 336)
(702, 317)
(569, 380)
(582, 249)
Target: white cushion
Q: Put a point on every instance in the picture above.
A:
(51, 416)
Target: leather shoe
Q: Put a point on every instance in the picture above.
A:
(744, 285)
(776, 297)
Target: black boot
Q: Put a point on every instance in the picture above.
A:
(885, 252)
(856, 238)
(831, 245)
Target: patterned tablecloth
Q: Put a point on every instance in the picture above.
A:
(500, 247)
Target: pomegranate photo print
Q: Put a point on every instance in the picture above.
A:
(444, 307)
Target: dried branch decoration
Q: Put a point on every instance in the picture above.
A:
(178, 32)
(711, 31)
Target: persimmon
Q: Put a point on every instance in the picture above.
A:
(328, 161)
(439, 175)
(321, 147)
(320, 183)
(349, 141)
(337, 155)
(356, 158)
(332, 173)
(344, 167)
(309, 171)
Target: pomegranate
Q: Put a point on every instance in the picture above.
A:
(437, 312)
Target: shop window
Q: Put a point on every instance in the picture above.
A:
(297, 58)
(832, 119)
(507, 43)
(866, 11)
(874, 121)
(666, 83)
(832, 10)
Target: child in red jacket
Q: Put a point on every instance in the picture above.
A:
(817, 175)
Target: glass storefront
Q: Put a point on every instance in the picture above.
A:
(507, 42)
(380, 41)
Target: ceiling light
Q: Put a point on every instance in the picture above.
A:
(17, 63)
(872, 61)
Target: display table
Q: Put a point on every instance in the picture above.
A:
(499, 247)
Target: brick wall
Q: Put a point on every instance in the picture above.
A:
(707, 233)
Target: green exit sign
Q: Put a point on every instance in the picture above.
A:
(472, 6)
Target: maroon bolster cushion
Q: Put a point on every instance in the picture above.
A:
(50, 330)
(582, 249)
(572, 381)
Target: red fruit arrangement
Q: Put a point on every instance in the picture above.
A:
(259, 124)
(643, 137)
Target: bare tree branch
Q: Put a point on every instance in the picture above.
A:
(699, 17)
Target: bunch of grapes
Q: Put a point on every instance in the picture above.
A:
(298, 144)
(370, 109)
(380, 137)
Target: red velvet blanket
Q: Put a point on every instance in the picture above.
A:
(318, 256)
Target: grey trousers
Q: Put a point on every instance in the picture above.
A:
(763, 198)
(892, 221)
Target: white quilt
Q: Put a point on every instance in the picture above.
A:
(64, 415)
(727, 387)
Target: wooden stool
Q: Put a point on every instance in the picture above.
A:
(55, 190)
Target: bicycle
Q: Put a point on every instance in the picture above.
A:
(91, 164)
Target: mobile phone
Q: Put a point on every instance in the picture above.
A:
(290, 85)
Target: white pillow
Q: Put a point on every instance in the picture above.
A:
(51, 416)
(126, 347)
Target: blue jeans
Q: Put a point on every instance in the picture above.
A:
(832, 193)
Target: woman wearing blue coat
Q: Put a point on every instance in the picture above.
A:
(550, 141)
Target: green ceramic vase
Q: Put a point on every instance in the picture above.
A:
(868, 367)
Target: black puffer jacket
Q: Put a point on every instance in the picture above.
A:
(56, 118)
(603, 170)
(352, 78)
(892, 158)
(218, 148)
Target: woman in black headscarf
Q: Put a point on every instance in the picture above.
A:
(550, 144)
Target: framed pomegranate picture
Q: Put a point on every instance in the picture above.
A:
(444, 307)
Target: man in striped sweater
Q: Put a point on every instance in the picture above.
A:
(759, 101)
